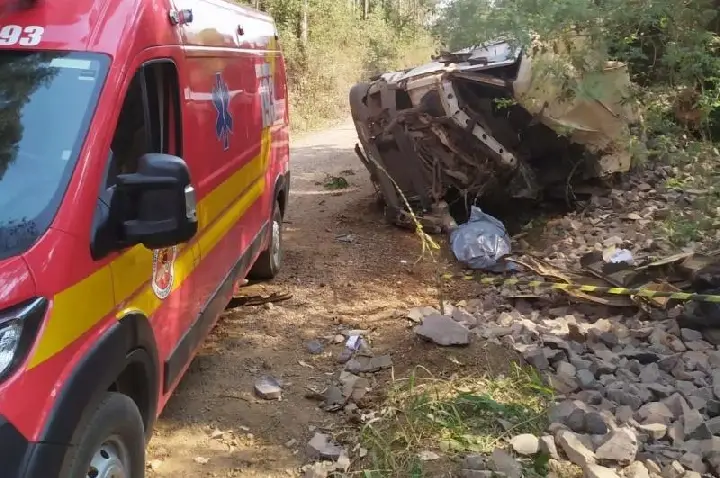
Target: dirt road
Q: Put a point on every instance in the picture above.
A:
(344, 266)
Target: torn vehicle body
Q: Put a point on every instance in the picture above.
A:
(484, 125)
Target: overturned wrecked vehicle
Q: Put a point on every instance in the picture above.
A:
(487, 125)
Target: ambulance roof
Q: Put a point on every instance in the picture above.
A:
(92, 25)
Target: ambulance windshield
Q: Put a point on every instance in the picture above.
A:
(46, 102)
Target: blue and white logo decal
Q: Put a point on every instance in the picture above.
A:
(221, 100)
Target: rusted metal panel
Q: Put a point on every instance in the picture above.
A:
(477, 124)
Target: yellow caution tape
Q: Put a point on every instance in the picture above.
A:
(591, 289)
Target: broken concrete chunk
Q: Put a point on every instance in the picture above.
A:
(597, 471)
(575, 450)
(443, 331)
(655, 431)
(656, 412)
(526, 444)
(503, 463)
(369, 364)
(418, 313)
(268, 388)
(334, 399)
(694, 426)
(322, 447)
(636, 470)
(621, 447)
(462, 317)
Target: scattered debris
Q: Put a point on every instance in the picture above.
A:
(485, 123)
(417, 314)
(443, 330)
(346, 238)
(257, 300)
(322, 447)
(315, 347)
(268, 388)
(481, 242)
(368, 364)
(334, 399)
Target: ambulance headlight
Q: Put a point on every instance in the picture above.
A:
(18, 328)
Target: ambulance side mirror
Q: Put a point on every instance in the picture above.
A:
(155, 206)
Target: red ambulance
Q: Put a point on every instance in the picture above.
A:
(143, 173)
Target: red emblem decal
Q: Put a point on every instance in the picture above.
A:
(163, 271)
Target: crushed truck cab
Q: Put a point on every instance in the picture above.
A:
(488, 124)
(144, 171)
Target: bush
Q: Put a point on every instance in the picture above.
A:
(342, 48)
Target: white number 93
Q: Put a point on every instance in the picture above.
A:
(17, 35)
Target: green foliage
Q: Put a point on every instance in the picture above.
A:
(672, 44)
(344, 46)
(457, 416)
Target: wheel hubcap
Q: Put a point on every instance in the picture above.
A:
(109, 461)
(276, 242)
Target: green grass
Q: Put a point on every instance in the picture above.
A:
(336, 182)
(696, 167)
(451, 417)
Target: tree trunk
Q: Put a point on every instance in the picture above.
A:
(366, 9)
(304, 24)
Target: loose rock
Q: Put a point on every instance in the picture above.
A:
(621, 447)
(368, 364)
(597, 471)
(268, 388)
(525, 444)
(575, 450)
(322, 447)
(502, 462)
(443, 330)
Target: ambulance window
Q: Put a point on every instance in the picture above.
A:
(131, 136)
(47, 100)
(148, 122)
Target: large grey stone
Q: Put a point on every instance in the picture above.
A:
(597, 471)
(575, 450)
(693, 462)
(716, 383)
(443, 330)
(657, 412)
(654, 431)
(369, 364)
(502, 462)
(624, 398)
(636, 470)
(621, 446)
(595, 424)
(694, 426)
(690, 335)
(526, 444)
(548, 447)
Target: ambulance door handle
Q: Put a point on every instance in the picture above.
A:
(240, 30)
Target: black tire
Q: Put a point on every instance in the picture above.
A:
(114, 430)
(268, 264)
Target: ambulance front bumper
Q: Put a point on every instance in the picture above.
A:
(20, 458)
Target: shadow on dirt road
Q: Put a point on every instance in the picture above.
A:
(214, 426)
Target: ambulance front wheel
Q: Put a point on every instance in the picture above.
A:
(269, 262)
(111, 443)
